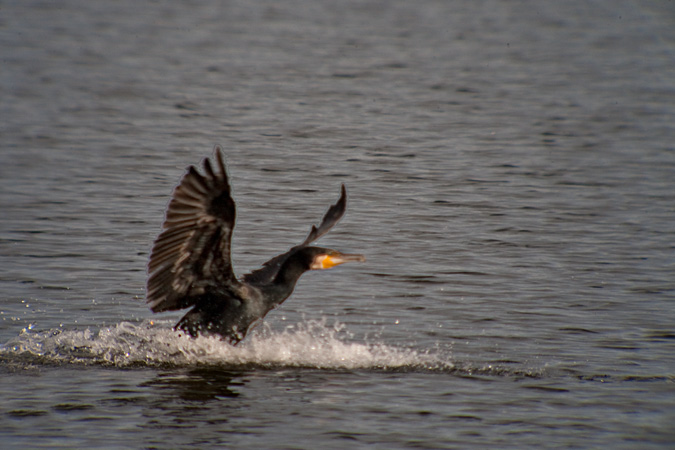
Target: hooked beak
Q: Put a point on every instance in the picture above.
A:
(332, 260)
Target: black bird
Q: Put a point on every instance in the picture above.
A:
(190, 262)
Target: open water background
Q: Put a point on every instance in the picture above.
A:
(511, 172)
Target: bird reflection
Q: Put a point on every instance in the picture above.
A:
(198, 385)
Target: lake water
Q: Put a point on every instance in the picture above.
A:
(511, 177)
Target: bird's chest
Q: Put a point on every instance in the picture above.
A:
(254, 305)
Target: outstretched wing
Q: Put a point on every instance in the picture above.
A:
(332, 216)
(270, 269)
(192, 253)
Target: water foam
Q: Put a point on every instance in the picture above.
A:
(312, 344)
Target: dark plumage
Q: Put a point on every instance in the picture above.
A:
(190, 262)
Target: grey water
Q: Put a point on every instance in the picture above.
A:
(510, 168)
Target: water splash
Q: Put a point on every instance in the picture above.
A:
(313, 344)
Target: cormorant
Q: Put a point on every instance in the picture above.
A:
(190, 262)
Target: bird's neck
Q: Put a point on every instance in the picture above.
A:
(285, 281)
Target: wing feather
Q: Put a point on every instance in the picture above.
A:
(269, 270)
(192, 253)
(332, 216)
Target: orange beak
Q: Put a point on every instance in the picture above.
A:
(327, 261)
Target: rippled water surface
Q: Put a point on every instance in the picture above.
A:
(511, 177)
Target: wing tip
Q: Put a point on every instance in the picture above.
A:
(342, 201)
